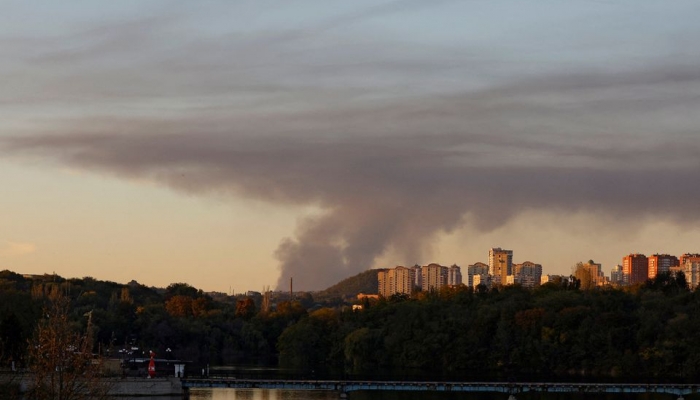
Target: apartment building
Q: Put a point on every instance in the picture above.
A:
(454, 275)
(661, 264)
(434, 277)
(396, 280)
(500, 264)
(691, 267)
(635, 269)
(527, 274)
(616, 276)
(477, 269)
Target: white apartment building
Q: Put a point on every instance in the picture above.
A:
(476, 269)
(527, 274)
(434, 277)
(396, 280)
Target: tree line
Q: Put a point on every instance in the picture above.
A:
(558, 330)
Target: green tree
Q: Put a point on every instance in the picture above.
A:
(298, 346)
(361, 348)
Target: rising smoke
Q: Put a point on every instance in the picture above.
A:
(393, 149)
(394, 177)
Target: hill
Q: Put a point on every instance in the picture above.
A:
(364, 282)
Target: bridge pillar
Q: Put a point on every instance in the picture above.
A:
(511, 397)
(185, 393)
(680, 397)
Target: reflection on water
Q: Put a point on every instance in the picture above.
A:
(274, 394)
(261, 394)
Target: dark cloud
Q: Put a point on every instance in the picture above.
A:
(394, 176)
(395, 142)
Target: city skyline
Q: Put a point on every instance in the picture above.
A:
(236, 145)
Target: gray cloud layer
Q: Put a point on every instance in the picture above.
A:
(395, 144)
(393, 176)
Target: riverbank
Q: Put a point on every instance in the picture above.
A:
(118, 387)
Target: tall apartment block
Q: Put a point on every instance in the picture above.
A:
(419, 276)
(616, 277)
(661, 264)
(682, 259)
(454, 275)
(500, 264)
(383, 282)
(396, 280)
(527, 274)
(477, 269)
(434, 277)
(691, 267)
(635, 269)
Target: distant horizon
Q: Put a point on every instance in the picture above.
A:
(163, 286)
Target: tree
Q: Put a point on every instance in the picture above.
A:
(179, 306)
(61, 360)
(582, 272)
(361, 348)
(181, 289)
(299, 346)
(245, 308)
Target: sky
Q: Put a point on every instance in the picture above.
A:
(235, 145)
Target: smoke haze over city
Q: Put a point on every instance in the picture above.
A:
(357, 135)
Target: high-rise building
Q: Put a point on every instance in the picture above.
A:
(383, 282)
(590, 274)
(482, 280)
(635, 269)
(616, 276)
(691, 267)
(684, 257)
(527, 274)
(434, 277)
(404, 278)
(661, 264)
(454, 275)
(500, 264)
(681, 262)
(396, 280)
(477, 269)
(419, 276)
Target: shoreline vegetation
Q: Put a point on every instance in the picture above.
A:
(643, 333)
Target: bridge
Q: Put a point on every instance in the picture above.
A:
(508, 388)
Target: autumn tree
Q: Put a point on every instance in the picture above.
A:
(582, 272)
(179, 306)
(245, 308)
(60, 358)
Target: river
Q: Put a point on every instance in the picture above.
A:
(265, 394)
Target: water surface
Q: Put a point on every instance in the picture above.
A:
(275, 394)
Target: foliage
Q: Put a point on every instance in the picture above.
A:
(364, 282)
(61, 360)
(18, 315)
(245, 308)
(650, 331)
